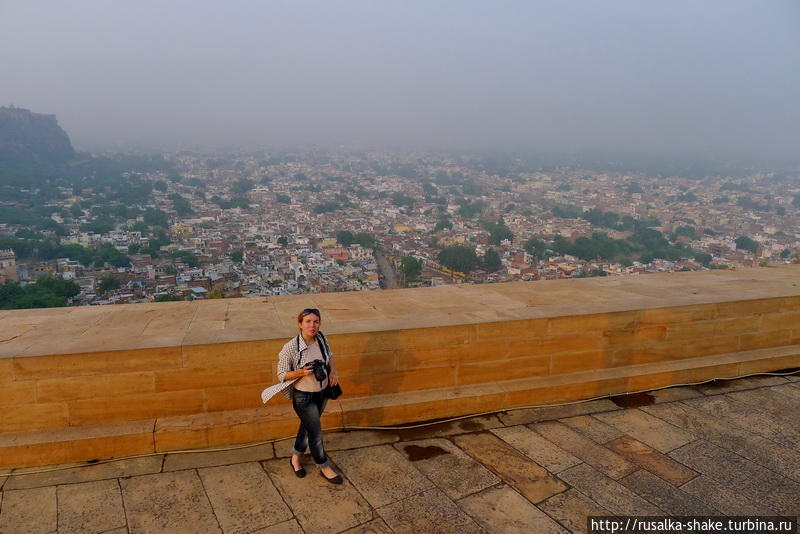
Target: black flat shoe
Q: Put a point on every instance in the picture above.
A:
(299, 473)
(335, 480)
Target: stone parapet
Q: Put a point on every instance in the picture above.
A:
(191, 373)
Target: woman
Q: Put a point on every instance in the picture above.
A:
(306, 392)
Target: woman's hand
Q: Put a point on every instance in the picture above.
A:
(334, 378)
(300, 373)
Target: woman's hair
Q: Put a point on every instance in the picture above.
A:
(308, 311)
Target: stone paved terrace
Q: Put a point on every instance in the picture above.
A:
(723, 448)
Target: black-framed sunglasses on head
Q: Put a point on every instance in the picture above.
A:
(309, 311)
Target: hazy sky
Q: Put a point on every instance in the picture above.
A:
(719, 76)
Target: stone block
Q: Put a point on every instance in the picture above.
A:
(214, 458)
(166, 503)
(90, 507)
(410, 380)
(592, 428)
(537, 448)
(760, 340)
(133, 407)
(212, 377)
(571, 509)
(34, 417)
(498, 370)
(738, 325)
(606, 492)
(86, 473)
(430, 511)
(288, 527)
(692, 330)
(243, 497)
(6, 370)
(577, 342)
(504, 511)
(748, 307)
(580, 361)
(31, 511)
(92, 386)
(713, 345)
(363, 342)
(381, 474)
(319, 506)
(548, 413)
(606, 461)
(649, 353)
(225, 354)
(96, 363)
(728, 500)
(634, 336)
(569, 324)
(448, 467)
(677, 314)
(423, 338)
(648, 429)
(666, 496)
(239, 397)
(13, 393)
(648, 458)
(380, 361)
(376, 526)
(528, 477)
(769, 364)
(496, 332)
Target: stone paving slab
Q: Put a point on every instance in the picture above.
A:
(648, 429)
(760, 450)
(319, 506)
(167, 503)
(599, 457)
(501, 510)
(525, 475)
(592, 428)
(571, 509)
(452, 470)
(750, 479)
(537, 448)
(177, 462)
(90, 507)
(29, 511)
(672, 500)
(463, 426)
(765, 400)
(548, 413)
(790, 390)
(87, 473)
(606, 492)
(243, 497)
(381, 474)
(748, 417)
(724, 499)
(430, 511)
(650, 459)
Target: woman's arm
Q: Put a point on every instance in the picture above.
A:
(286, 369)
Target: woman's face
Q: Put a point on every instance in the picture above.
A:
(309, 325)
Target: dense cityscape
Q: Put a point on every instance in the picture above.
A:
(128, 229)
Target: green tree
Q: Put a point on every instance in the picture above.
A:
(242, 186)
(160, 185)
(283, 199)
(345, 238)
(745, 243)
(537, 248)
(186, 257)
(237, 256)
(166, 297)
(491, 261)
(180, 205)
(57, 286)
(459, 258)
(498, 231)
(283, 240)
(410, 268)
(108, 283)
(154, 217)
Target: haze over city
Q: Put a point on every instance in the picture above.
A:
(716, 77)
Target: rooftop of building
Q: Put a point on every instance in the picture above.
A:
(722, 448)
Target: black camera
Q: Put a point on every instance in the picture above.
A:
(320, 370)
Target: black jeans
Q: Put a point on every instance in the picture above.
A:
(309, 407)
